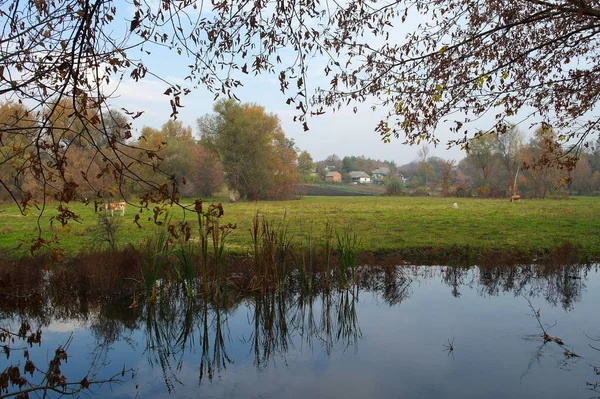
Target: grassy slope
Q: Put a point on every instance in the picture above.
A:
(384, 224)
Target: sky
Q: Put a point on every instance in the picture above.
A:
(343, 133)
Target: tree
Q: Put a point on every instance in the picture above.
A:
(423, 153)
(480, 154)
(282, 166)
(306, 166)
(426, 171)
(172, 154)
(508, 147)
(17, 129)
(257, 159)
(207, 172)
(305, 163)
(446, 169)
(582, 178)
(333, 162)
(470, 58)
(541, 181)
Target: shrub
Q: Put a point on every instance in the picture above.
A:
(393, 186)
(462, 192)
(106, 231)
(483, 191)
(420, 191)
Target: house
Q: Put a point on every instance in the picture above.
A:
(333, 176)
(359, 177)
(379, 174)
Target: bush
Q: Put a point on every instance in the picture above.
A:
(462, 192)
(106, 232)
(483, 191)
(393, 186)
(420, 191)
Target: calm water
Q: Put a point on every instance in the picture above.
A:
(386, 337)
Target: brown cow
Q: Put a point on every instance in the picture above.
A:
(116, 206)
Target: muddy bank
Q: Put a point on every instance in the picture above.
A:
(131, 273)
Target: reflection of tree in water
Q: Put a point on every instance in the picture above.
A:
(113, 322)
(455, 277)
(562, 284)
(392, 283)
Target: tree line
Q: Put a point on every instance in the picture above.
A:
(496, 165)
(243, 147)
(506, 163)
(240, 145)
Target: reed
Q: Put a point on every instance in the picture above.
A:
(255, 237)
(212, 231)
(203, 239)
(186, 267)
(156, 253)
(347, 244)
(271, 244)
(327, 246)
(219, 234)
(308, 255)
(283, 244)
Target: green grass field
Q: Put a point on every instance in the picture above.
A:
(384, 224)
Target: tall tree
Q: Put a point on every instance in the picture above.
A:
(508, 147)
(256, 157)
(541, 181)
(207, 173)
(305, 165)
(446, 169)
(17, 137)
(480, 154)
(423, 152)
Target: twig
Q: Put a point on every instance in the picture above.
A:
(450, 346)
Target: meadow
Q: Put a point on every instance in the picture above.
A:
(384, 225)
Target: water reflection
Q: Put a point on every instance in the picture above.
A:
(177, 333)
(554, 283)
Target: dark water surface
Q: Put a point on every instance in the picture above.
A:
(385, 337)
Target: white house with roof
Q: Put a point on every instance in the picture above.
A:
(359, 177)
(379, 174)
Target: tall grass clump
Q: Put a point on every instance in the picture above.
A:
(327, 246)
(308, 256)
(347, 245)
(156, 250)
(106, 232)
(282, 247)
(203, 233)
(211, 231)
(186, 267)
(270, 247)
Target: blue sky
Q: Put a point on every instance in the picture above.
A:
(343, 133)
